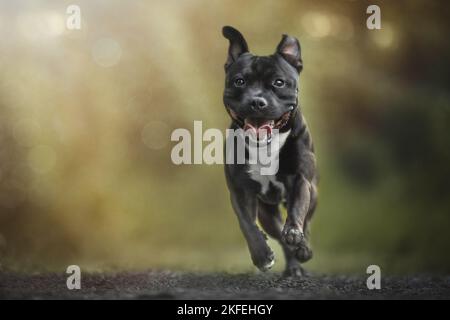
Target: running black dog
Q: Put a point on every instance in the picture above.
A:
(261, 95)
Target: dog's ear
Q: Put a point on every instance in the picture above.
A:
(238, 45)
(289, 49)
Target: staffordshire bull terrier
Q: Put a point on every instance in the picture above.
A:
(261, 97)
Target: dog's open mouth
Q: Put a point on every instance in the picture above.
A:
(258, 128)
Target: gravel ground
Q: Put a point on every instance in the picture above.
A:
(181, 285)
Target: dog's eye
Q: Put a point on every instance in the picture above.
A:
(279, 83)
(239, 82)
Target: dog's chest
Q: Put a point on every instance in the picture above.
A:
(266, 182)
(269, 184)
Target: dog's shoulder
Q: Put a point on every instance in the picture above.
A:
(298, 154)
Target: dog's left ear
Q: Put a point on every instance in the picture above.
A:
(289, 49)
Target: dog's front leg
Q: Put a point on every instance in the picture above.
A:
(298, 202)
(245, 206)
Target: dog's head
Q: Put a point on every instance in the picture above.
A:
(261, 91)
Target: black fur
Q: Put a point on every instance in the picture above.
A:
(297, 165)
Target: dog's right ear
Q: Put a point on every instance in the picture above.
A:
(237, 47)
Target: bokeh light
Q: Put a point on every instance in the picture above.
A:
(155, 135)
(385, 37)
(316, 24)
(106, 52)
(41, 158)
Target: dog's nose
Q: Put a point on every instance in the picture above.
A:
(259, 103)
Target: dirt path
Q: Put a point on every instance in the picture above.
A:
(179, 285)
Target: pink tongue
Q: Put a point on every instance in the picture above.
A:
(260, 132)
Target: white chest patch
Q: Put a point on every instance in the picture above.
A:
(254, 170)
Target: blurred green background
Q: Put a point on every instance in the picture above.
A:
(86, 117)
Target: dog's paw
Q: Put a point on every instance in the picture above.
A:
(293, 271)
(292, 235)
(264, 260)
(303, 253)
